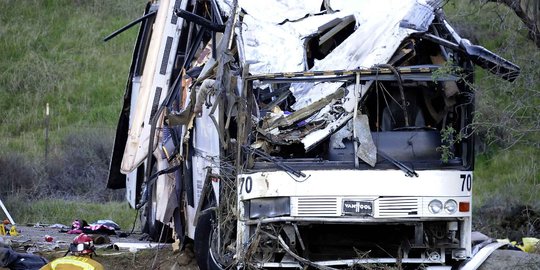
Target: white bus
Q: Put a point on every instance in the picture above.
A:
(294, 134)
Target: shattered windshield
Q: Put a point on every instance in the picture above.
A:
(394, 121)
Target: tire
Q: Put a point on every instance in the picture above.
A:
(203, 237)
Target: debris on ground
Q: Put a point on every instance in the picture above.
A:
(12, 259)
(32, 240)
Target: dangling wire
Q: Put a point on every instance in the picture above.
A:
(386, 102)
(378, 126)
(157, 248)
(401, 91)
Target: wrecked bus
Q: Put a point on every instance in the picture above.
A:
(292, 134)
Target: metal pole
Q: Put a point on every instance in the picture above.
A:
(7, 213)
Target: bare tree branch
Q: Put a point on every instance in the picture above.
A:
(528, 12)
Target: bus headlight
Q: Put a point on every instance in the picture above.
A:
(450, 206)
(269, 207)
(435, 206)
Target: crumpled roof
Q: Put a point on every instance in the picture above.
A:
(273, 47)
(273, 34)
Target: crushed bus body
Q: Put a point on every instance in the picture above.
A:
(292, 134)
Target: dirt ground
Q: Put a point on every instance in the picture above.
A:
(33, 240)
(511, 259)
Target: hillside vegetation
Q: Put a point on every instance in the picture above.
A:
(52, 52)
(507, 121)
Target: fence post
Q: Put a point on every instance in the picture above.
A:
(46, 131)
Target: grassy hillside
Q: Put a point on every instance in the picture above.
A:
(52, 52)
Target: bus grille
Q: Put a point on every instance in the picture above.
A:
(314, 206)
(398, 207)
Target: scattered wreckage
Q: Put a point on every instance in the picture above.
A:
(292, 134)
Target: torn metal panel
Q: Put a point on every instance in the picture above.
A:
(366, 148)
(313, 138)
(206, 87)
(225, 6)
(164, 187)
(116, 179)
(420, 16)
(155, 79)
(335, 29)
(344, 133)
(483, 57)
(309, 110)
(206, 146)
(260, 47)
(278, 11)
(320, 118)
(374, 42)
(274, 11)
(405, 53)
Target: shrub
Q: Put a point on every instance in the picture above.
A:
(19, 175)
(507, 114)
(77, 169)
(507, 218)
(80, 169)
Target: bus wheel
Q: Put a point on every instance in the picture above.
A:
(203, 237)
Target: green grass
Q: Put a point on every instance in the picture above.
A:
(64, 212)
(509, 175)
(52, 52)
